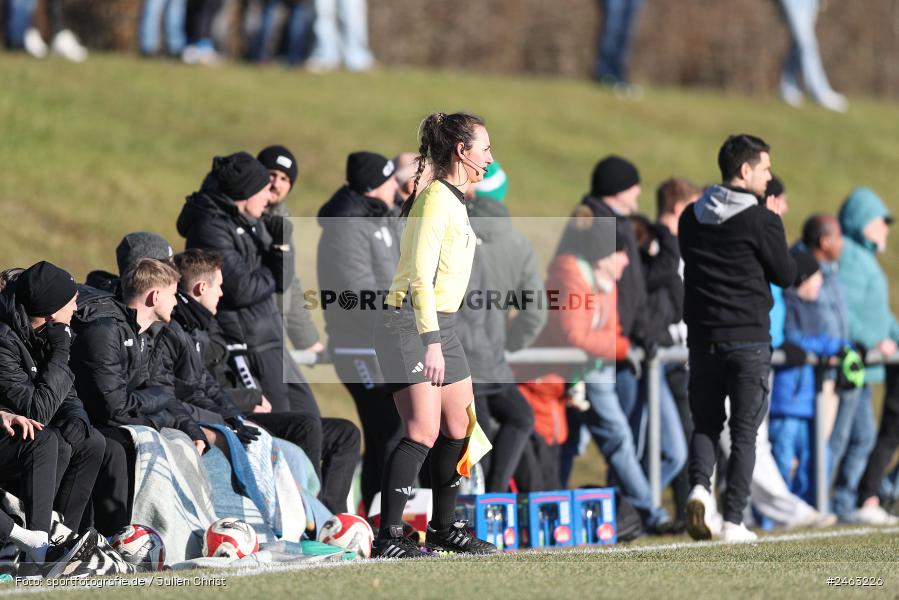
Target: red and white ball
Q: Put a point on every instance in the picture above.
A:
(140, 545)
(351, 532)
(230, 538)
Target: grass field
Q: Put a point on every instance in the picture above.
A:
(792, 566)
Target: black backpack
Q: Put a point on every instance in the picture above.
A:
(629, 525)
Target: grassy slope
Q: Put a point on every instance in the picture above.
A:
(90, 152)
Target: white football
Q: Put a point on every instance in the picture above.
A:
(231, 538)
(351, 532)
(140, 545)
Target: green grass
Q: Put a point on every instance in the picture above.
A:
(90, 152)
(778, 569)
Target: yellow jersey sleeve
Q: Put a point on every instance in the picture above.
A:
(426, 237)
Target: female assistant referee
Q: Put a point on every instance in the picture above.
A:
(417, 347)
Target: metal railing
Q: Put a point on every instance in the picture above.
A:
(653, 371)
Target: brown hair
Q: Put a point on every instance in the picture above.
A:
(672, 192)
(9, 275)
(146, 274)
(439, 133)
(195, 264)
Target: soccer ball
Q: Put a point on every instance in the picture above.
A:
(231, 538)
(348, 531)
(140, 545)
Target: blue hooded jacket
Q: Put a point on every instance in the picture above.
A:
(864, 282)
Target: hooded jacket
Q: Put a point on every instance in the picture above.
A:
(512, 266)
(252, 269)
(35, 382)
(664, 287)
(111, 365)
(867, 290)
(358, 251)
(733, 248)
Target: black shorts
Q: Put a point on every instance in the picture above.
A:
(401, 352)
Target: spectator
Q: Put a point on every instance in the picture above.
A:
(618, 20)
(672, 197)
(733, 249)
(282, 169)
(341, 34)
(588, 269)
(804, 61)
(36, 309)
(358, 251)
(225, 217)
(865, 221)
(172, 13)
(21, 32)
(332, 445)
(795, 387)
(504, 264)
(297, 31)
(200, 49)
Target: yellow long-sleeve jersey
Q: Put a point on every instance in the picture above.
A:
(436, 253)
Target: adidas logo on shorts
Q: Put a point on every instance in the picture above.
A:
(418, 368)
(404, 490)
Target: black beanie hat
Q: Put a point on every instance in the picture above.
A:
(141, 244)
(279, 158)
(775, 187)
(806, 266)
(612, 175)
(239, 175)
(43, 288)
(366, 171)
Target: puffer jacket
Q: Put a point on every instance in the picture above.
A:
(35, 382)
(253, 269)
(111, 368)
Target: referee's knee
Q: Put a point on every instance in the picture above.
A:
(426, 436)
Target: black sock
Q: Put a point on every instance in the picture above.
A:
(445, 480)
(399, 476)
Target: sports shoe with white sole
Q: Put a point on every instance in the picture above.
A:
(873, 515)
(699, 514)
(66, 45)
(732, 533)
(457, 539)
(34, 44)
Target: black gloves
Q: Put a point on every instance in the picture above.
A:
(74, 431)
(245, 433)
(59, 336)
(280, 228)
(795, 356)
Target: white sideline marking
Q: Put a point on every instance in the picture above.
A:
(302, 566)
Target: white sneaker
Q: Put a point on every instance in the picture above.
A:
(318, 65)
(35, 44)
(700, 519)
(833, 101)
(873, 515)
(811, 518)
(66, 45)
(734, 534)
(790, 93)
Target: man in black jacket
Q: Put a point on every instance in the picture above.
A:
(109, 358)
(36, 382)
(332, 445)
(358, 251)
(733, 249)
(225, 217)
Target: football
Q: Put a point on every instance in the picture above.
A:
(231, 538)
(140, 545)
(351, 532)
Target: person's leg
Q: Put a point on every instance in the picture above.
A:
(842, 428)
(801, 16)
(887, 440)
(631, 394)
(485, 420)
(608, 56)
(612, 433)
(19, 18)
(804, 481)
(781, 435)
(707, 392)
(115, 482)
(35, 462)
(356, 53)
(571, 448)
(677, 376)
(340, 454)
(625, 38)
(259, 47)
(447, 451)
(148, 27)
(299, 32)
(300, 429)
(747, 373)
(273, 374)
(528, 473)
(79, 478)
(55, 17)
(673, 442)
(175, 17)
(326, 52)
(516, 425)
(862, 436)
